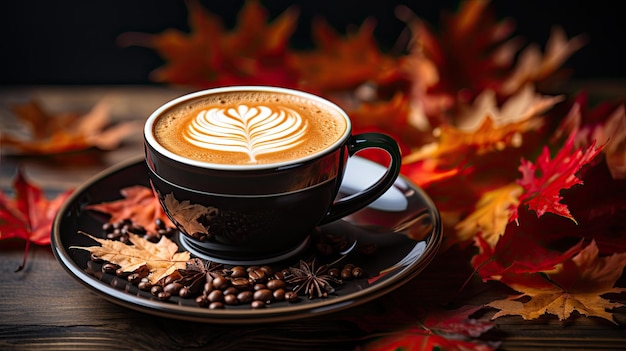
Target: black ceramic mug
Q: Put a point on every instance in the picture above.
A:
(246, 173)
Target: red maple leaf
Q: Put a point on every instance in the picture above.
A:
(517, 254)
(544, 180)
(442, 330)
(29, 214)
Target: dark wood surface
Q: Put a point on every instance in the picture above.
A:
(43, 307)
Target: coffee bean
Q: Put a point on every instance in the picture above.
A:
(357, 272)
(256, 304)
(144, 285)
(202, 301)
(257, 275)
(155, 290)
(173, 288)
(231, 299)
(291, 296)
(259, 287)
(346, 273)
(164, 296)
(267, 269)
(217, 305)
(208, 287)
(220, 283)
(238, 272)
(279, 294)
(184, 292)
(231, 290)
(263, 295)
(216, 296)
(110, 268)
(245, 296)
(275, 284)
(241, 283)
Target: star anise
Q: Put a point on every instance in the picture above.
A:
(194, 276)
(311, 280)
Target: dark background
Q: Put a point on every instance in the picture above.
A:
(74, 41)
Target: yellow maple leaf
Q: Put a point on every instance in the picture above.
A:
(161, 258)
(492, 214)
(577, 285)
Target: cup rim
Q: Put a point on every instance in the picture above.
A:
(154, 144)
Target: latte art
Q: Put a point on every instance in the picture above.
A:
(253, 130)
(250, 128)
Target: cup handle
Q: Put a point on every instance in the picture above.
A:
(357, 201)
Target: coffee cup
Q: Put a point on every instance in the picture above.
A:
(246, 173)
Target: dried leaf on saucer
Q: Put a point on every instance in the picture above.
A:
(67, 131)
(161, 258)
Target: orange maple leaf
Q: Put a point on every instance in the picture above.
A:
(576, 285)
(29, 215)
(454, 143)
(210, 55)
(342, 63)
(466, 52)
(484, 126)
(139, 205)
(69, 131)
(543, 181)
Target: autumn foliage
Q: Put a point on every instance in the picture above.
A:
(505, 162)
(533, 182)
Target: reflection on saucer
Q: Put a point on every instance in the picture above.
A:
(361, 173)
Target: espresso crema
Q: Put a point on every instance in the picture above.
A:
(244, 128)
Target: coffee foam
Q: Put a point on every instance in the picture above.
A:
(249, 128)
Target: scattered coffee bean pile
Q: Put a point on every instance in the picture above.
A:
(119, 231)
(216, 286)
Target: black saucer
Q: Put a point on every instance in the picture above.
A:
(404, 227)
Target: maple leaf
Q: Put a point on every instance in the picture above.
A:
(517, 256)
(69, 131)
(210, 55)
(187, 214)
(29, 215)
(161, 258)
(466, 52)
(606, 124)
(484, 127)
(543, 181)
(139, 205)
(576, 286)
(491, 216)
(532, 66)
(342, 63)
(442, 329)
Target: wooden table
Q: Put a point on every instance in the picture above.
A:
(42, 307)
